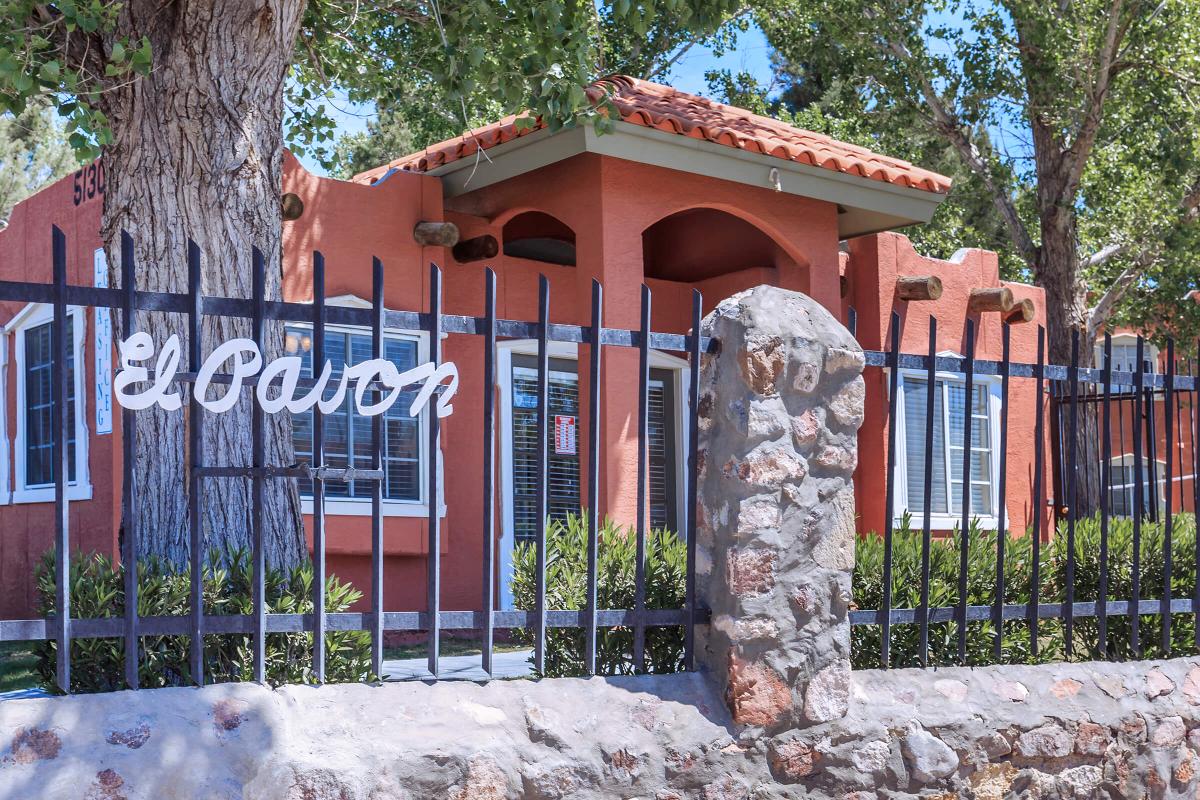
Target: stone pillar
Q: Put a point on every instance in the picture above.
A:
(780, 407)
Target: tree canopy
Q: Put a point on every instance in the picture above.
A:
(1072, 129)
(33, 153)
(418, 110)
(440, 62)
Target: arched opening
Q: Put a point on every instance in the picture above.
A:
(539, 237)
(701, 243)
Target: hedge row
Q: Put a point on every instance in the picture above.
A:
(1018, 571)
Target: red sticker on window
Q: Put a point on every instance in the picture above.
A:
(564, 435)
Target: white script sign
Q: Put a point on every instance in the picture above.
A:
(138, 349)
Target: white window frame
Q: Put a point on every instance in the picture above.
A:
(1126, 460)
(361, 506)
(680, 370)
(5, 492)
(989, 522)
(1150, 352)
(32, 316)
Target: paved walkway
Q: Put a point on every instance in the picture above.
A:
(512, 664)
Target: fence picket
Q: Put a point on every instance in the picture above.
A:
(380, 479)
(433, 587)
(927, 519)
(258, 436)
(889, 504)
(62, 524)
(593, 472)
(639, 584)
(318, 475)
(489, 470)
(195, 479)
(129, 522)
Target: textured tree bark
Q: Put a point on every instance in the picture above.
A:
(1057, 272)
(197, 153)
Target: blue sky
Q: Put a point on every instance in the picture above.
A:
(752, 55)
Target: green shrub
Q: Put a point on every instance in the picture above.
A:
(97, 591)
(1018, 571)
(566, 589)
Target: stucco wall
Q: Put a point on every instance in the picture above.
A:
(874, 263)
(27, 529)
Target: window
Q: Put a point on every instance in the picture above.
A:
(563, 490)
(563, 471)
(36, 428)
(1122, 485)
(949, 426)
(1124, 354)
(661, 452)
(348, 435)
(566, 443)
(5, 494)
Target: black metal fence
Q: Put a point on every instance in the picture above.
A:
(1125, 408)
(433, 620)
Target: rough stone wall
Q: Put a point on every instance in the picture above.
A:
(1092, 730)
(779, 414)
(1056, 732)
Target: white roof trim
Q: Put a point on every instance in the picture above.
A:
(869, 205)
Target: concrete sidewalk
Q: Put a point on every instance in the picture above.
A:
(511, 664)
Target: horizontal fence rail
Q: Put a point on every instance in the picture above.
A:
(1089, 425)
(260, 312)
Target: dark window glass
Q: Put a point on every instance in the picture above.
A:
(40, 428)
(347, 434)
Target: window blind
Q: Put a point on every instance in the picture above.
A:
(347, 434)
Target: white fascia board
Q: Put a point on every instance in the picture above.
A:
(870, 205)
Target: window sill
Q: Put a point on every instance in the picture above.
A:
(45, 494)
(946, 522)
(342, 507)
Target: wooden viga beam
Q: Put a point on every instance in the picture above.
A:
(1021, 312)
(435, 234)
(919, 287)
(991, 299)
(476, 249)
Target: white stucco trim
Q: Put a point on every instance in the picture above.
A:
(869, 205)
(29, 317)
(900, 496)
(5, 456)
(570, 351)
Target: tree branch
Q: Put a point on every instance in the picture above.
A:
(1077, 154)
(950, 127)
(1103, 255)
(1099, 315)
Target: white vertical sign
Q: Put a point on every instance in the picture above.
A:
(103, 350)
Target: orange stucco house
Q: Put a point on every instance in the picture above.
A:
(685, 194)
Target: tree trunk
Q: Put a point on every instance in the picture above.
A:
(1057, 272)
(197, 153)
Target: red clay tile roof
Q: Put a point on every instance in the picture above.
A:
(653, 105)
